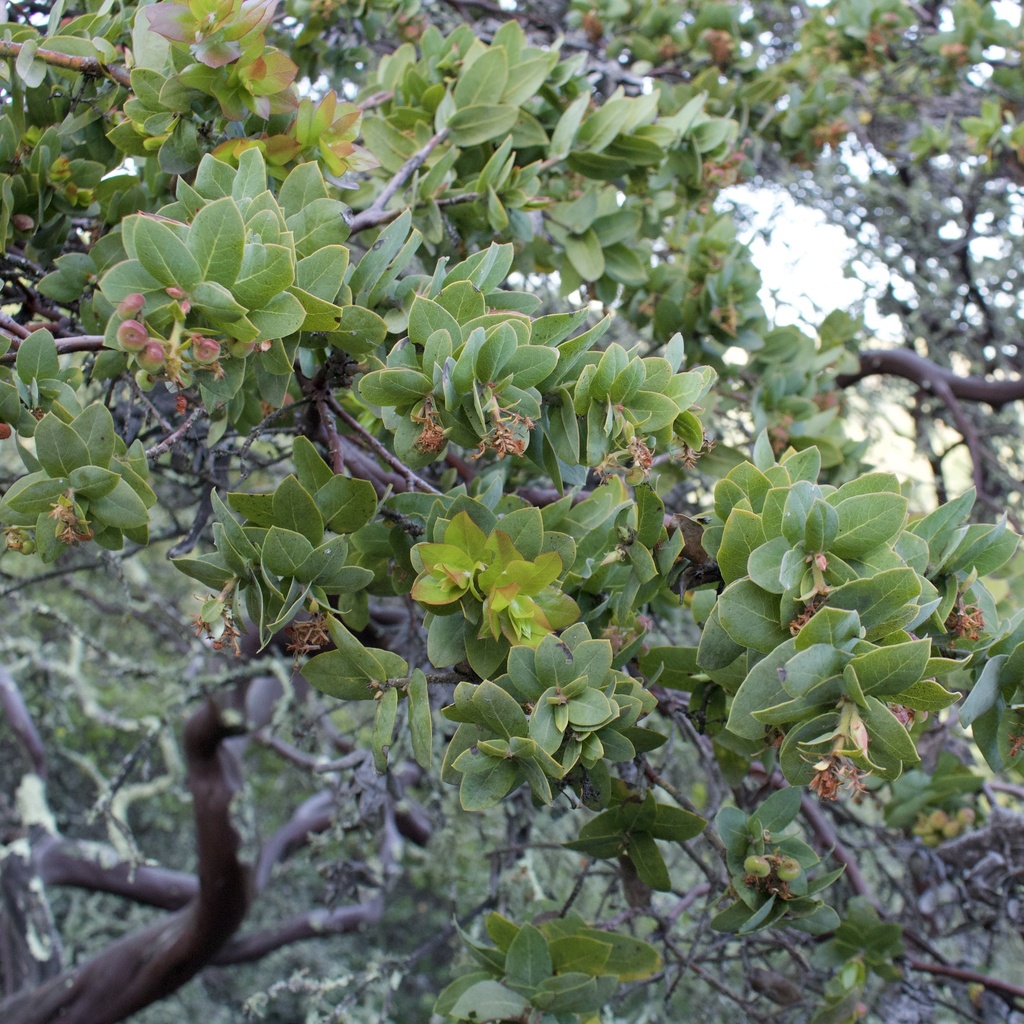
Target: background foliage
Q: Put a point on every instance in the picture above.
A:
(552, 609)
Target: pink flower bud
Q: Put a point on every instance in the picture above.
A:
(151, 358)
(175, 292)
(131, 304)
(132, 336)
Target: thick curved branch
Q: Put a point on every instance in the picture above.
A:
(88, 66)
(66, 862)
(157, 960)
(901, 362)
(314, 815)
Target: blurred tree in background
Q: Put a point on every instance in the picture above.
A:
(433, 586)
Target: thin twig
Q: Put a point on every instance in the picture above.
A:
(412, 480)
(827, 834)
(175, 436)
(333, 441)
(1005, 989)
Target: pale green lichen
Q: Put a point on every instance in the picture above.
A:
(32, 806)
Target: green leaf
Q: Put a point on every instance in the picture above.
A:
(750, 616)
(762, 688)
(335, 674)
(37, 358)
(384, 728)
(265, 271)
(833, 626)
(822, 527)
(346, 504)
(397, 387)
(30, 69)
(483, 82)
(59, 448)
(285, 552)
(95, 426)
(882, 602)
(586, 255)
(211, 571)
(487, 1001)
(631, 959)
(491, 780)
(420, 720)
(938, 527)
(92, 481)
(216, 239)
(277, 317)
(717, 648)
(779, 809)
(984, 693)
(479, 123)
(576, 953)
(500, 712)
(164, 255)
(304, 185)
(323, 273)
(294, 509)
(358, 330)
(926, 695)
(312, 471)
(867, 521)
(528, 959)
(643, 851)
(889, 745)
(742, 535)
(889, 670)
(121, 508)
(676, 825)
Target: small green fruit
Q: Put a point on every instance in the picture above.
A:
(759, 867)
(788, 869)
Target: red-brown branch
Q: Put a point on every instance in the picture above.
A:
(1007, 990)
(21, 723)
(901, 362)
(157, 960)
(64, 862)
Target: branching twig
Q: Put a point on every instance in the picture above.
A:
(175, 436)
(377, 211)
(413, 482)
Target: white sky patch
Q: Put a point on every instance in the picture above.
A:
(800, 257)
(803, 263)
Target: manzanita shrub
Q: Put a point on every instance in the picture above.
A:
(398, 283)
